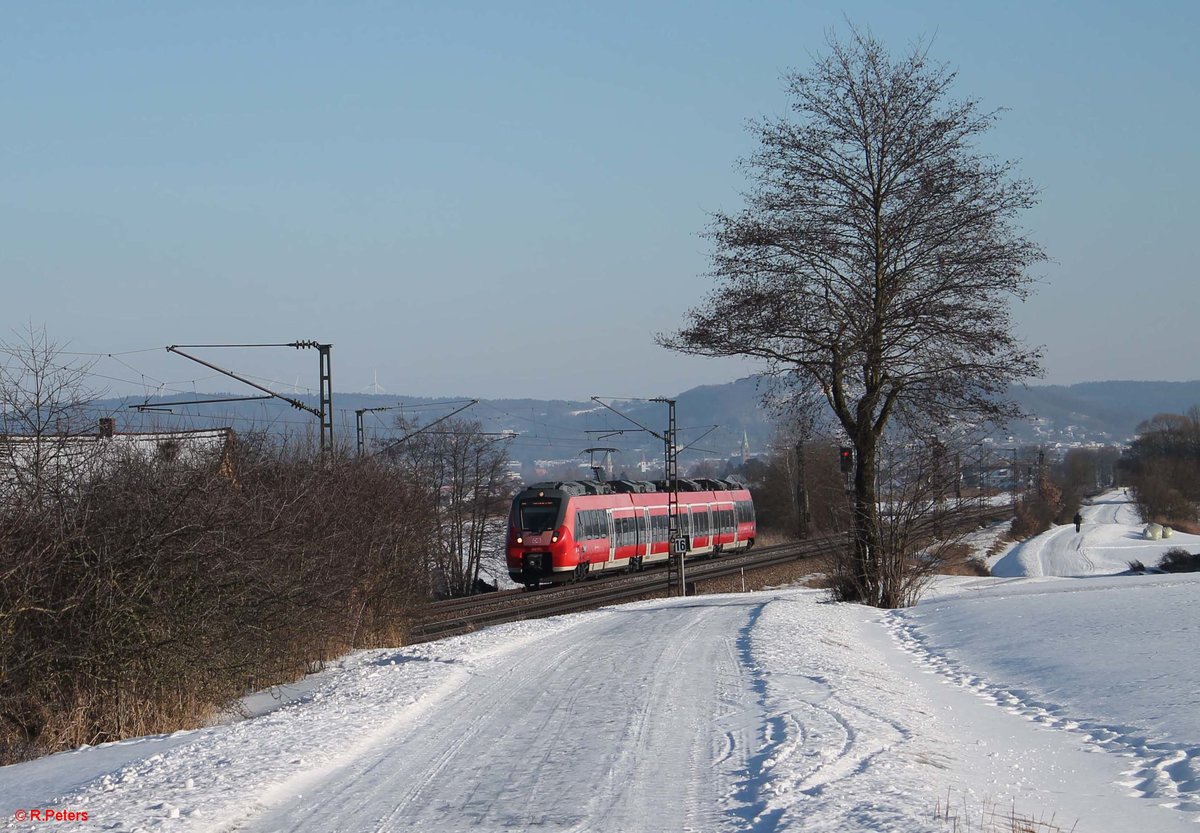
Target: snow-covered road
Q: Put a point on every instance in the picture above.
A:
(603, 726)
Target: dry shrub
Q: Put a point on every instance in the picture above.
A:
(1035, 511)
(958, 560)
(1178, 560)
(773, 538)
(141, 600)
(1180, 525)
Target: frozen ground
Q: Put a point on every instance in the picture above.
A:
(1071, 697)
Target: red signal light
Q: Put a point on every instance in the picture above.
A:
(847, 459)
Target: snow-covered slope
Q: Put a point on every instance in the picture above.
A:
(771, 711)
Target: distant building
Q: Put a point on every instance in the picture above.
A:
(79, 457)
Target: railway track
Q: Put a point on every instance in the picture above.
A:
(457, 616)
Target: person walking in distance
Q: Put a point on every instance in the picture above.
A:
(1078, 521)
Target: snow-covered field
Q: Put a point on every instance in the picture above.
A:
(1076, 698)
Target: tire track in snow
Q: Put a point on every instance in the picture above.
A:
(813, 740)
(605, 726)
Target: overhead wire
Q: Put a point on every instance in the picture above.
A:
(164, 388)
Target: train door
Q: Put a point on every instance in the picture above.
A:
(685, 526)
(626, 526)
(645, 533)
(703, 520)
(612, 535)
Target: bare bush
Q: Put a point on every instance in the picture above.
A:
(1178, 560)
(164, 593)
(140, 594)
(1037, 510)
(918, 535)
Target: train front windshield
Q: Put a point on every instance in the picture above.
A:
(538, 514)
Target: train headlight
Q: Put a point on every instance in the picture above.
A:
(554, 538)
(520, 540)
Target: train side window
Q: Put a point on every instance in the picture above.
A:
(745, 511)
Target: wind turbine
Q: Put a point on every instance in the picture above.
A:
(375, 387)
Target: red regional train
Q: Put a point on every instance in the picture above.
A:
(561, 532)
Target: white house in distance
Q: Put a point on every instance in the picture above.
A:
(78, 456)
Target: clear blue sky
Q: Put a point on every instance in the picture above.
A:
(505, 199)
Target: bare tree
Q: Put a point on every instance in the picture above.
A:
(874, 262)
(465, 470)
(43, 400)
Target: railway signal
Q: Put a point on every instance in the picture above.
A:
(846, 458)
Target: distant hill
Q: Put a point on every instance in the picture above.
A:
(559, 430)
(1111, 408)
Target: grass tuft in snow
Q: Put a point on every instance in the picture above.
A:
(990, 818)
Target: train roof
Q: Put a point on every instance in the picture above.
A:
(596, 487)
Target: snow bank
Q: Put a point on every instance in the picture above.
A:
(1111, 661)
(212, 778)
